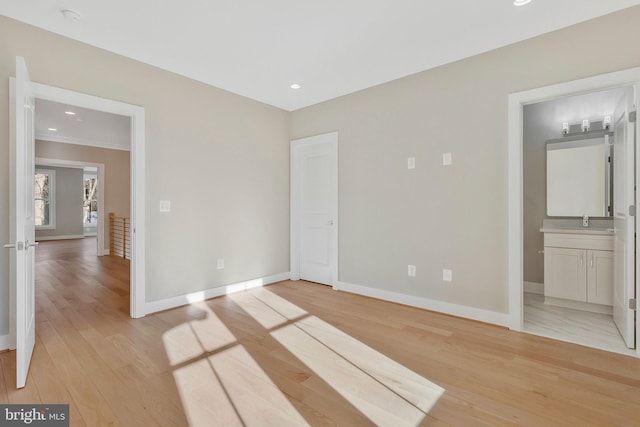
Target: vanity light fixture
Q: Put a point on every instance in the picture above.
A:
(585, 125)
(52, 129)
(70, 113)
(565, 128)
(606, 122)
(295, 86)
(521, 2)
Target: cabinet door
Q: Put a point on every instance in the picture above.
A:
(600, 277)
(565, 273)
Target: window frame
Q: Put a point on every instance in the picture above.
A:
(51, 200)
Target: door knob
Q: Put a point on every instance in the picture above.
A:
(330, 222)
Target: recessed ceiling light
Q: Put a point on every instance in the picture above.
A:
(521, 2)
(71, 113)
(70, 14)
(295, 86)
(52, 129)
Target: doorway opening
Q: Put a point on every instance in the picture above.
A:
(136, 118)
(74, 226)
(536, 258)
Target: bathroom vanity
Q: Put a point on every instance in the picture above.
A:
(578, 267)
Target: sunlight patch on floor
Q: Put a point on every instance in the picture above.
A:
(191, 339)
(258, 304)
(204, 400)
(219, 383)
(255, 396)
(382, 389)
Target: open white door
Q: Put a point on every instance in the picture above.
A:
(23, 228)
(624, 224)
(315, 208)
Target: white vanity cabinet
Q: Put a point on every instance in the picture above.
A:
(578, 266)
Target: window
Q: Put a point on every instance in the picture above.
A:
(90, 204)
(44, 191)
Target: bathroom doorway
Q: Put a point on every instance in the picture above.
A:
(571, 114)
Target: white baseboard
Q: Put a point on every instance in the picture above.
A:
(472, 313)
(534, 288)
(177, 301)
(4, 342)
(67, 237)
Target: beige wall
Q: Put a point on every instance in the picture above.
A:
(447, 217)
(117, 173)
(68, 203)
(222, 160)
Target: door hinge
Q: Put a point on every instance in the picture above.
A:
(633, 304)
(632, 116)
(632, 210)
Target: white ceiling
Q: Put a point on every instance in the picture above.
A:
(258, 48)
(85, 127)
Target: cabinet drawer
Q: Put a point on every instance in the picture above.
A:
(578, 241)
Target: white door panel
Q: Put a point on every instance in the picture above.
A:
(23, 227)
(315, 195)
(624, 224)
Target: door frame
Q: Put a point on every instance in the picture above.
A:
(138, 184)
(295, 207)
(517, 101)
(100, 251)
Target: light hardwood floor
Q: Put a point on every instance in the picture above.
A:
(297, 353)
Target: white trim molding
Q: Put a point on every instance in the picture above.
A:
(478, 314)
(180, 300)
(5, 341)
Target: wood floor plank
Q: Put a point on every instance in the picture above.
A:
(4, 397)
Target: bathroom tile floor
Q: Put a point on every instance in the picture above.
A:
(576, 326)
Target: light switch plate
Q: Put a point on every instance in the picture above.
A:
(411, 163)
(411, 270)
(165, 205)
(447, 275)
(447, 159)
(220, 263)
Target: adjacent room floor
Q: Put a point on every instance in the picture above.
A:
(296, 353)
(577, 326)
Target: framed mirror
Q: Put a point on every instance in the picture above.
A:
(579, 177)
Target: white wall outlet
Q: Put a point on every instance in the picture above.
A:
(220, 263)
(447, 275)
(411, 163)
(411, 270)
(447, 159)
(165, 205)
